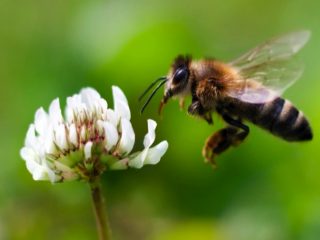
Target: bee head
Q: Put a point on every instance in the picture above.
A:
(178, 77)
(176, 81)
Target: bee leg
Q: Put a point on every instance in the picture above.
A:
(208, 118)
(196, 108)
(224, 138)
(181, 103)
(217, 143)
(240, 136)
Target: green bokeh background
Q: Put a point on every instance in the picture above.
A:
(264, 189)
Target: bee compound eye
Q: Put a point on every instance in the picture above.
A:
(180, 75)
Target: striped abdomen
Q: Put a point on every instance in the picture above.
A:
(279, 116)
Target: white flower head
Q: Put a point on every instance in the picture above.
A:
(89, 140)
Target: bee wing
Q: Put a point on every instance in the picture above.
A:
(268, 70)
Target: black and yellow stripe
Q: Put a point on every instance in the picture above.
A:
(279, 116)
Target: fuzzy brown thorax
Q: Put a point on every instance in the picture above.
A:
(211, 80)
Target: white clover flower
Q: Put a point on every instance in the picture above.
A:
(90, 139)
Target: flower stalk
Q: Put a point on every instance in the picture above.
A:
(99, 207)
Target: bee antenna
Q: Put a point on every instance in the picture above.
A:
(151, 85)
(151, 96)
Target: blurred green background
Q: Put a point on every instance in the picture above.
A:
(264, 189)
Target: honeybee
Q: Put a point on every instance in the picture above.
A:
(248, 88)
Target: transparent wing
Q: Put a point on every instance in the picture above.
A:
(268, 70)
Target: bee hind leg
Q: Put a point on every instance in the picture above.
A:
(243, 129)
(217, 143)
(221, 140)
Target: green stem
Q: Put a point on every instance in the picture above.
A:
(100, 210)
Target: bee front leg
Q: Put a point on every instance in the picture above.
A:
(196, 108)
(181, 103)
